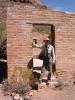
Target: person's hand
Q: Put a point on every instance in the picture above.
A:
(53, 61)
(33, 44)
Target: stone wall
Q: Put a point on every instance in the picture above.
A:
(20, 19)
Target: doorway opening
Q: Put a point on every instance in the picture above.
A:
(3, 51)
(40, 32)
(3, 71)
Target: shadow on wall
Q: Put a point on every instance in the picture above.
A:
(30, 64)
(3, 71)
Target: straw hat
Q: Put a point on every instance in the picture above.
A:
(47, 39)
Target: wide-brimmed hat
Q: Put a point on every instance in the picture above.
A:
(47, 39)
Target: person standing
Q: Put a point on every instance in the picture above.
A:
(48, 56)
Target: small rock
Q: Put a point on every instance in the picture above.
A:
(21, 98)
(27, 97)
(56, 83)
(42, 85)
(17, 97)
(51, 84)
(30, 93)
(13, 94)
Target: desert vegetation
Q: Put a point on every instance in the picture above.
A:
(3, 40)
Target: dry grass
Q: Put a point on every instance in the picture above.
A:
(21, 82)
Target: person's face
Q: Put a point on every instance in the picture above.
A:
(47, 42)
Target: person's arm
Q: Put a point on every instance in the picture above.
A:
(37, 45)
(53, 54)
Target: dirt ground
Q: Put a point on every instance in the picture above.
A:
(3, 97)
(67, 93)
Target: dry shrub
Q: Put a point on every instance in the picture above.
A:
(21, 81)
